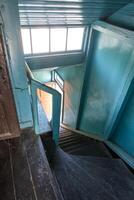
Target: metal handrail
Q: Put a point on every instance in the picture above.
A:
(56, 104)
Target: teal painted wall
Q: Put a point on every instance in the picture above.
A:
(124, 17)
(105, 77)
(73, 79)
(43, 75)
(123, 134)
(10, 16)
(45, 61)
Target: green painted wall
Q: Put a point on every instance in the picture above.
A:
(106, 75)
(10, 18)
(73, 79)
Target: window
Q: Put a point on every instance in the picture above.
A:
(26, 40)
(40, 40)
(58, 39)
(58, 80)
(75, 38)
(50, 40)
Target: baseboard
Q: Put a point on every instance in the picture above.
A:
(121, 153)
(91, 135)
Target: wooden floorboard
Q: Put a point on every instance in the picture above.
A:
(22, 179)
(6, 181)
(24, 170)
(39, 167)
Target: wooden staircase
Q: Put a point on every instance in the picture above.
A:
(84, 169)
(89, 177)
(74, 143)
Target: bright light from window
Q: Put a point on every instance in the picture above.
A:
(62, 39)
(75, 38)
(26, 40)
(40, 40)
(58, 39)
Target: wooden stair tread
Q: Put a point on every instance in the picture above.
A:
(93, 179)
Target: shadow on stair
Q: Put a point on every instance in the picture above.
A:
(88, 176)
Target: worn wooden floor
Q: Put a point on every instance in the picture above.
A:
(24, 170)
(25, 173)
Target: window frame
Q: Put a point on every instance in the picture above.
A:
(82, 39)
(58, 80)
(82, 50)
